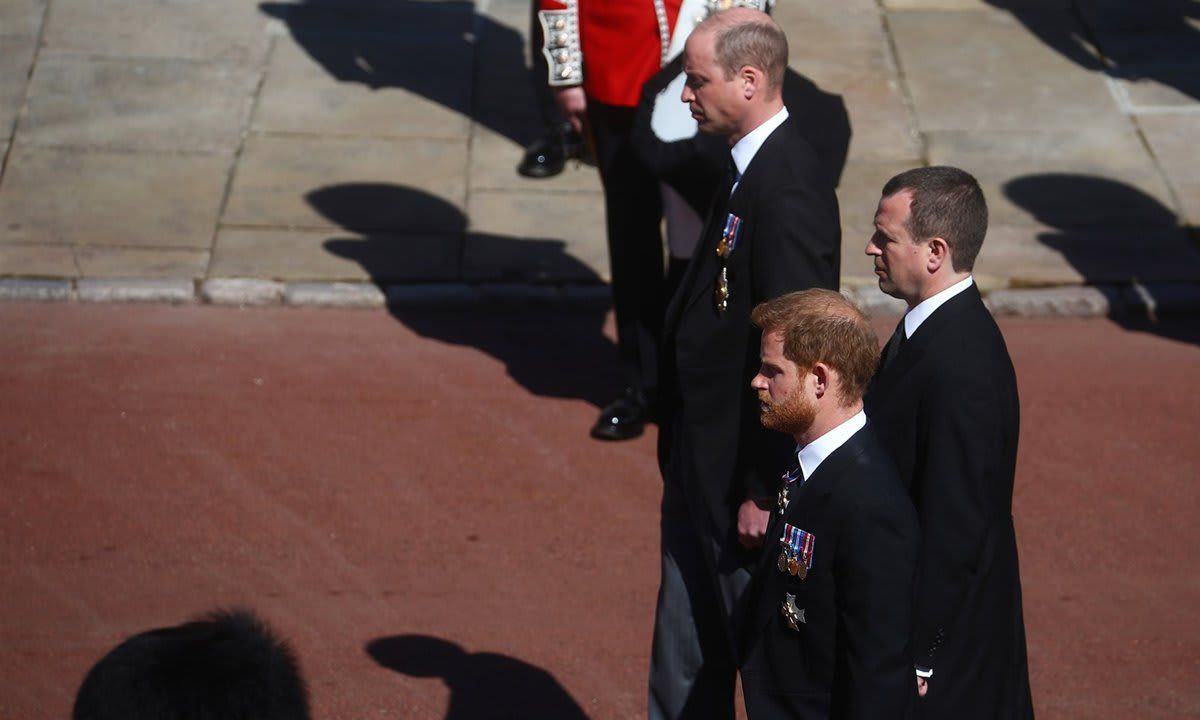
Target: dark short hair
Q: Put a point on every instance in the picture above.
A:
(823, 326)
(948, 203)
(758, 43)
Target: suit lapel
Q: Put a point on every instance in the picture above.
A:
(701, 282)
(914, 349)
(805, 504)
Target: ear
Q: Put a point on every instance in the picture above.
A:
(820, 376)
(939, 255)
(753, 81)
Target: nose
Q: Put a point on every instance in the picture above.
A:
(758, 382)
(872, 249)
(686, 96)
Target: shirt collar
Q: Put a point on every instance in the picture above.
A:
(921, 313)
(746, 148)
(814, 453)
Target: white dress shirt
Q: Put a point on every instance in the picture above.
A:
(913, 318)
(746, 148)
(814, 453)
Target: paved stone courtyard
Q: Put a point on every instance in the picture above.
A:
(236, 151)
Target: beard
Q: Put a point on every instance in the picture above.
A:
(793, 415)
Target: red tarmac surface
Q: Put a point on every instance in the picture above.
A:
(428, 478)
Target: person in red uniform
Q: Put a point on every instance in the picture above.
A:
(600, 53)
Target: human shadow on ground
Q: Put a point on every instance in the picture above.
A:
(442, 51)
(402, 235)
(482, 685)
(1116, 236)
(1150, 39)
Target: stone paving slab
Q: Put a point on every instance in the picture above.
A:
(1174, 139)
(1032, 257)
(368, 84)
(15, 63)
(844, 51)
(494, 161)
(356, 183)
(379, 161)
(995, 75)
(151, 263)
(61, 197)
(976, 4)
(516, 236)
(1155, 89)
(1086, 177)
(38, 261)
(143, 105)
(226, 30)
(21, 17)
(312, 255)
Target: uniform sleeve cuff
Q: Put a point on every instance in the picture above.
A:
(924, 672)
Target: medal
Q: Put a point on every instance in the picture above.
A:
(797, 546)
(781, 500)
(792, 614)
(721, 294)
(783, 561)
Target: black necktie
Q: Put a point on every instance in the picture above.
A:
(892, 349)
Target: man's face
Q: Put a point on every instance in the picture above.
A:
(900, 262)
(716, 103)
(783, 394)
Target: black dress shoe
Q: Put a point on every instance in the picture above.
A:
(544, 158)
(622, 419)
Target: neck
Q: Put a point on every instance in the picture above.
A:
(826, 420)
(758, 115)
(936, 284)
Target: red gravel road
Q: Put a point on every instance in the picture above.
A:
(425, 483)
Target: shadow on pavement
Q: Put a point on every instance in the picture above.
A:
(1149, 39)
(1114, 234)
(402, 235)
(482, 685)
(442, 51)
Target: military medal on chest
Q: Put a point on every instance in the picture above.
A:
(795, 551)
(792, 614)
(725, 247)
(789, 479)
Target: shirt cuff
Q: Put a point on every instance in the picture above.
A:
(923, 672)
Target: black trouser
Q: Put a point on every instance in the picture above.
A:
(633, 217)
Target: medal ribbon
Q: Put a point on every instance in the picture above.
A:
(799, 543)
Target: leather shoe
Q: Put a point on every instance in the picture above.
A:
(544, 157)
(622, 419)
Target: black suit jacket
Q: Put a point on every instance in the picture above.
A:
(849, 658)
(946, 409)
(791, 240)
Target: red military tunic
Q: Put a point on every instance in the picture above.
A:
(616, 45)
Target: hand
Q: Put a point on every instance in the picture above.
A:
(572, 103)
(752, 523)
(922, 686)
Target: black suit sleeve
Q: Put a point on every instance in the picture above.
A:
(874, 574)
(961, 443)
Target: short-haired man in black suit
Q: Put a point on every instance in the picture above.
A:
(944, 401)
(773, 228)
(833, 595)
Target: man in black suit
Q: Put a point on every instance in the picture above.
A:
(944, 401)
(773, 228)
(828, 635)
